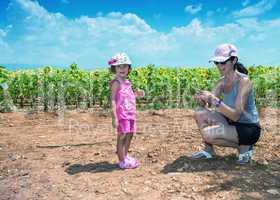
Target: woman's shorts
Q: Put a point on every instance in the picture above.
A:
(248, 134)
(126, 126)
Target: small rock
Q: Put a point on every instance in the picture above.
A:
(146, 189)
(154, 161)
(24, 173)
(147, 182)
(273, 191)
(150, 155)
(66, 163)
(255, 195)
(265, 162)
(14, 157)
(66, 148)
(194, 189)
(173, 173)
(153, 173)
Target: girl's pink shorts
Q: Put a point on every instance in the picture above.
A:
(126, 126)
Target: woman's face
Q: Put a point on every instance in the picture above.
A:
(225, 67)
(122, 70)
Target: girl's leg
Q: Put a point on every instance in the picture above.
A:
(128, 139)
(121, 146)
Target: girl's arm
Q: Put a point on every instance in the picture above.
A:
(240, 103)
(114, 87)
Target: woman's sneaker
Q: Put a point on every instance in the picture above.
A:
(246, 157)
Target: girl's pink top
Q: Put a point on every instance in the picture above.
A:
(125, 101)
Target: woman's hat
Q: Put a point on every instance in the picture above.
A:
(119, 59)
(224, 52)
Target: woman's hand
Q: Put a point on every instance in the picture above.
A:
(201, 98)
(139, 93)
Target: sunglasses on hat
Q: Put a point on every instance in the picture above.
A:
(221, 63)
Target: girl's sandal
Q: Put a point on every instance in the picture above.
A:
(132, 160)
(127, 164)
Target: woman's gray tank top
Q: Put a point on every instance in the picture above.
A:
(250, 113)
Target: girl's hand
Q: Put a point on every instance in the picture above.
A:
(115, 122)
(139, 93)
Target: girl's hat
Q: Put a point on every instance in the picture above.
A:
(119, 59)
(224, 52)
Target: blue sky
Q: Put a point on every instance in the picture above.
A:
(172, 33)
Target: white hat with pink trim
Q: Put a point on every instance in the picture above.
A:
(119, 59)
(223, 52)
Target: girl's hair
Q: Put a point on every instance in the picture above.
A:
(113, 69)
(239, 66)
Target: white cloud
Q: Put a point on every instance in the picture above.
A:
(256, 9)
(193, 9)
(5, 50)
(32, 7)
(2, 33)
(53, 39)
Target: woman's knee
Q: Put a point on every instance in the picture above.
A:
(209, 134)
(207, 137)
(200, 114)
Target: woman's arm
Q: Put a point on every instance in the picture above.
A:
(240, 103)
(217, 90)
(202, 97)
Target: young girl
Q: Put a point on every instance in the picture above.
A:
(123, 108)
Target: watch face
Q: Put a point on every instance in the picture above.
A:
(218, 103)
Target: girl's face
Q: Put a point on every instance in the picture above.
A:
(122, 70)
(225, 67)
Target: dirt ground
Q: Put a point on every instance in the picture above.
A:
(72, 156)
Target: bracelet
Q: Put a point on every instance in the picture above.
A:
(218, 103)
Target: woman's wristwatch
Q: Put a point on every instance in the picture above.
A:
(217, 102)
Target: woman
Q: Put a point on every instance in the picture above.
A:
(235, 121)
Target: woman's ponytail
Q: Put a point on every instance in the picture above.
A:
(240, 68)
